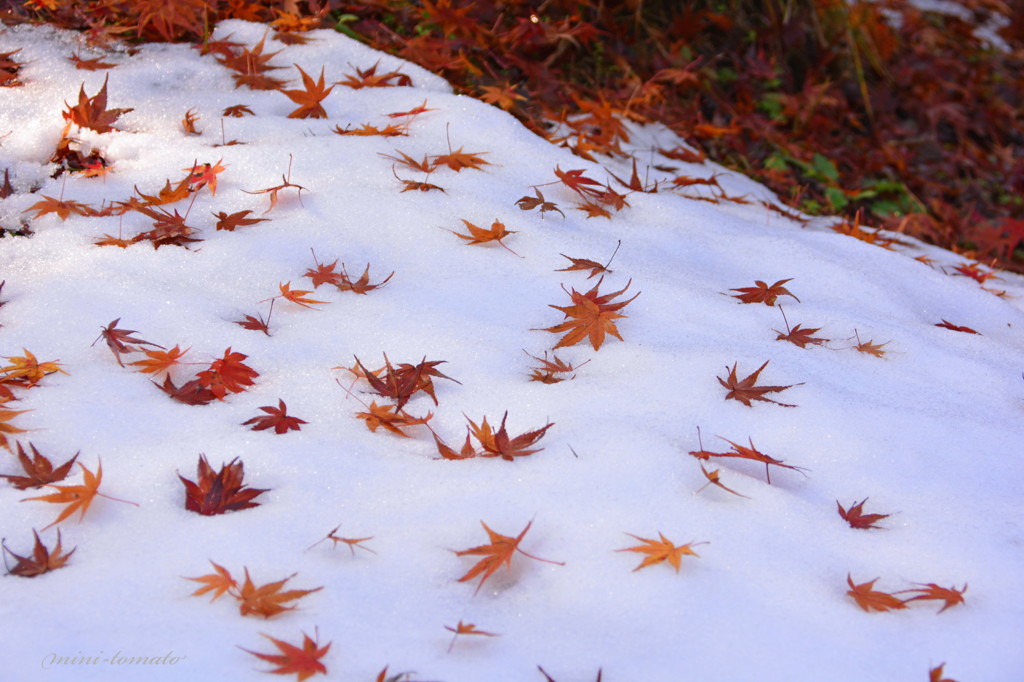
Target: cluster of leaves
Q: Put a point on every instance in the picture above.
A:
(870, 599)
(221, 377)
(266, 600)
(23, 372)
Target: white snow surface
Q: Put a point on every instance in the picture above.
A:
(930, 433)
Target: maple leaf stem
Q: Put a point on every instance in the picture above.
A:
(117, 499)
(619, 244)
(537, 558)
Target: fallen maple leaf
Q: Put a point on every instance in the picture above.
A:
(458, 160)
(590, 316)
(276, 418)
(869, 347)
(121, 341)
(870, 599)
(268, 600)
(715, 479)
(798, 335)
(587, 264)
(218, 583)
(404, 381)
(390, 418)
(362, 285)
(309, 99)
(204, 175)
(936, 674)
(856, 517)
(297, 296)
(466, 629)
(746, 390)
(478, 235)
(216, 493)
(498, 552)
(160, 360)
(40, 470)
(661, 550)
(529, 203)
(303, 662)
(190, 393)
(369, 78)
(5, 428)
(77, 497)
(351, 542)
(89, 64)
(949, 325)
(549, 370)
(498, 444)
(930, 591)
(63, 208)
(26, 370)
(188, 123)
(227, 374)
(92, 112)
(578, 182)
(762, 293)
(43, 559)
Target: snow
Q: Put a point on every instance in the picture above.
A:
(930, 432)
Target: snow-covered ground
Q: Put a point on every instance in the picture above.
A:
(930, 431)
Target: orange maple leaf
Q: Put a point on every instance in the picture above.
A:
(62, 208)
(871, 599)
(298, 296)
(466, 629)
(227, 374)
(661, 550)
(498, 444)
(715, 479)
(27, 370)
(77, 497)
(869, 347)
(930, 591)
(478, 235)
(592, 315)
(303, 662)
(204, 175)
(160, 360)
(218, 583)
(390, 419)
(5, 428)
(458, 160)
(936, 674)
(351, 542)
(268, 600)
(498, 552)
(309, 99)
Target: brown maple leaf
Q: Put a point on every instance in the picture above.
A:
(401, 383)
(747, 389)
(40, 470)
(478, 235)
(92, 112)
(302, 661)
(219, 583)
(950, 596)
(591, 315)
(276, 418)
(579, 183)
(466, 629)
(190, 393)
(43, 559)
(549, 370)
(799, 336)
(367, 130)
(237, 111)
(268, 600)
(949, 325)
(231, 221)
(216, 493)
(96, 64)
(362, 285)
(762, 293)
(587, 264)
(498, 444)
(871, 599)
(446, 452)
(856, 517)
(661, 550)
(527, 203)
(499, 551)
(352, 543)
(310, 97)
(272, 192)
(715, 479)
(869, 347)
(369, 78)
